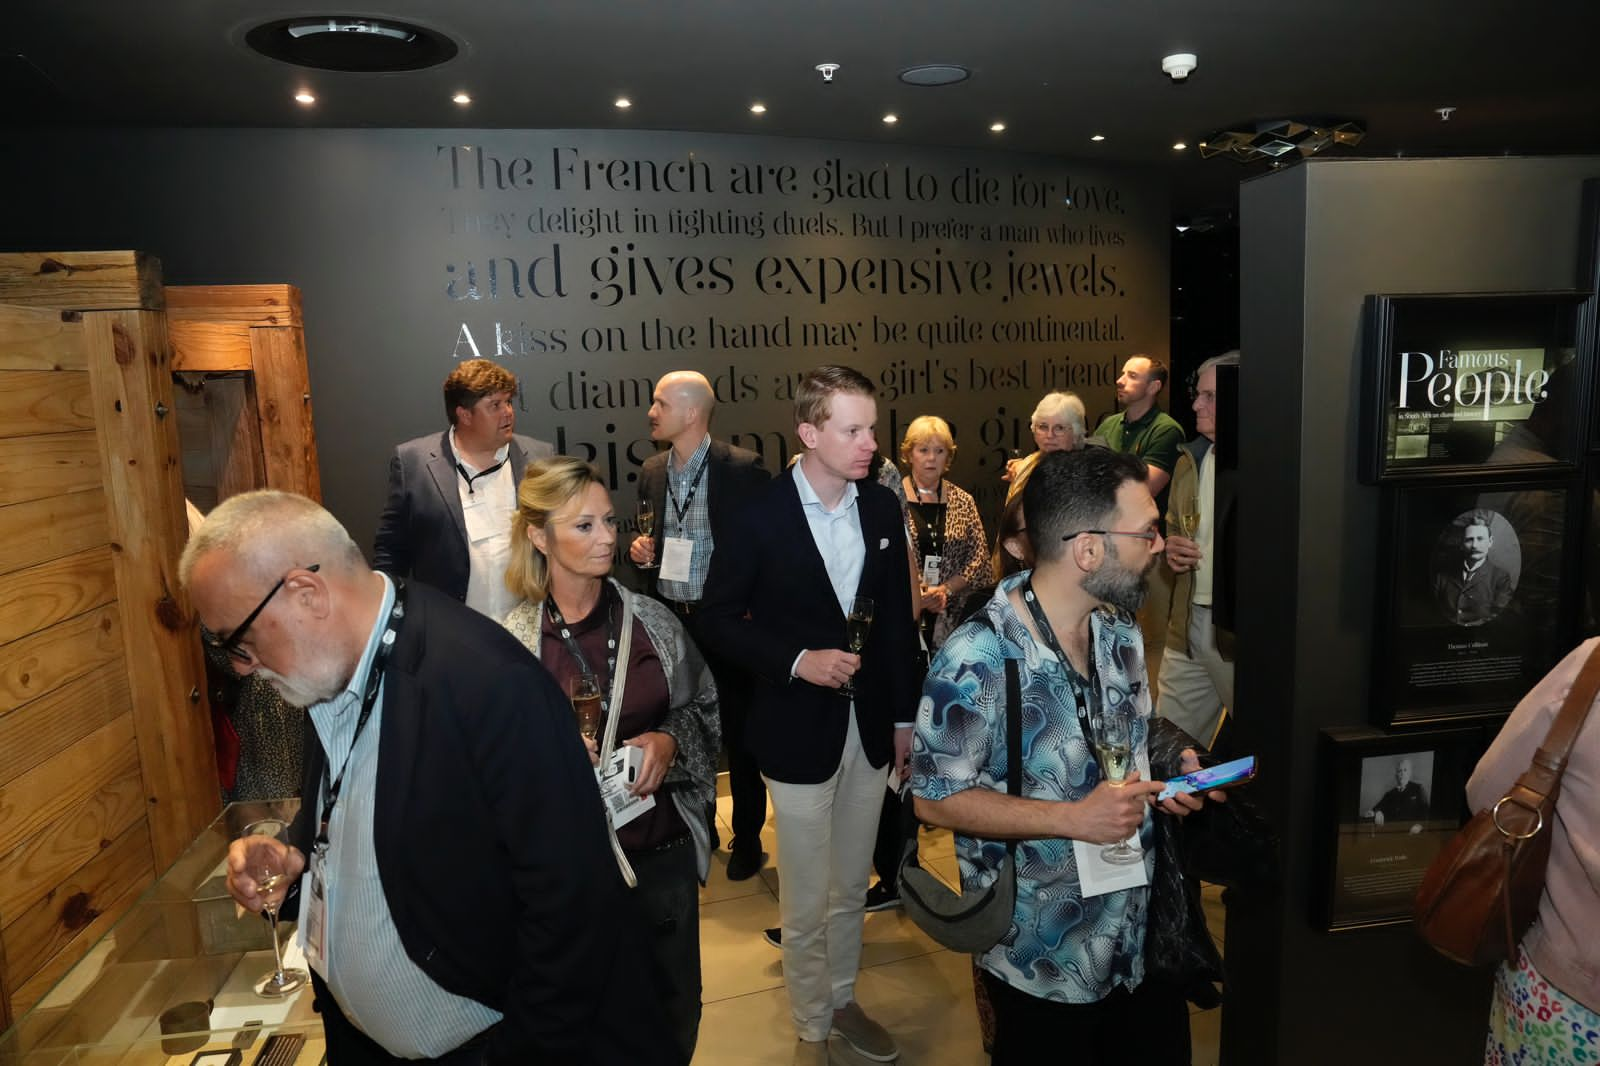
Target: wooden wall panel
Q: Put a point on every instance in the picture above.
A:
(31, 869)
(34, 799)
(44, 401)
(33, 338)
(283, 401)
(41, 661)
(26, 993)
(50, 527)
(81, 281)
(49, 465)
(42, 728)
(40, 596)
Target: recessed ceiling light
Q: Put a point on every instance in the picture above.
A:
(462, 98)
(1098, 137)
(305, 97)
(363, 45)
(890, 119)
(1180, 146)
(758, 109)
(997, 127)
(623, 103)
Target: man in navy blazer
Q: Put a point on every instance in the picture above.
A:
(447, 519)
(780, 587)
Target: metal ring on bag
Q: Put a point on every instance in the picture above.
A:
(1506, 832)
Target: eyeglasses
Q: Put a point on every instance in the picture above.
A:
(1051, 431)
(1208, 395)
(230, 644)
(1149, 535)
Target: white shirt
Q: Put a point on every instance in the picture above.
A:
(487, 505)
(1205, 535)
(837, 534)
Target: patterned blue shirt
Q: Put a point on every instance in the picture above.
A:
(1060, 946)
(695, 523)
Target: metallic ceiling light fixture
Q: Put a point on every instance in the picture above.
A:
(935, 74)
(351, 43)
(1254, 141)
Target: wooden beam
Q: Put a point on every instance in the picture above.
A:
(41, 339)
(43, 661)
(47, 465)
(251, 305)
(81, 281)
(209, 346)
(45, 727)
(283, 401)
(40, 596)
(44, 401)
(130, 363)
(236, 446)
(50, 527)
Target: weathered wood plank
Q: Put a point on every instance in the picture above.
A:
(34, 934)
(81, 281)
(45, 660)
(40, 596)
(56, 720)
(236, 445)
(44, 401)
(30, 802)
(209, 346)
(48, 465)
(283, 401)
(42, 861)
(130, 363)
(50, 527)
(41, 338)
(31, 991)
(252, 305)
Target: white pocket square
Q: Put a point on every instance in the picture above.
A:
(883, 543)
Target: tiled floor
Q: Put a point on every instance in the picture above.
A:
(919, 991)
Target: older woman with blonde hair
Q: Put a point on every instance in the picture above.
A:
(656, 694)
(946, 530)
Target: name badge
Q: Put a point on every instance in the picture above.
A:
(481, 517)
(930, 569)
(314, 904)
(615, 777)
(676, 555)
(1096, 876)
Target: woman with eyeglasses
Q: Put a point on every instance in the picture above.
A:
(946, 530)
(651, 680)
(1058, 426)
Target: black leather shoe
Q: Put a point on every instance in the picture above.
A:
(773, 936)
(743, 865)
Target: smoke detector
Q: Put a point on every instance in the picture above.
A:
(1179, 65)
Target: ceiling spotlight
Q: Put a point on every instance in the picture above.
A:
(997, 127)
(827, 70)
(1098, 137)
(758, 109)
(1181, 227)
(305, 97)
(1180, 146)
(623, 103)
(890, 119)
(1444, 113)
(1179, 65)
(462, 98)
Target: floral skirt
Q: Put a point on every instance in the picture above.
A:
(1531, 1020)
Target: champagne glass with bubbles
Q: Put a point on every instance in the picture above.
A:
(856, 626)
(1113, 742)
(646, 518)
(265, 864)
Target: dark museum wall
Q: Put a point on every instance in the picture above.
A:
(1315, 241)
(589, 262)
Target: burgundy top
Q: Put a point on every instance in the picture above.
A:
(644, 704)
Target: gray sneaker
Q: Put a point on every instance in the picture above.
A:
(868, 1038)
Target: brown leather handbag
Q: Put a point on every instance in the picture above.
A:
(1482, 891)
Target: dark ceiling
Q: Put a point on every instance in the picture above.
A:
(1520, 76)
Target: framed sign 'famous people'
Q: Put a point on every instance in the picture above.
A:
(1477, 598)
(1459, 384)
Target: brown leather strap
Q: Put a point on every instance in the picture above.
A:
(1541, 781)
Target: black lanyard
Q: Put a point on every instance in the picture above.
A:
(1074, 681)
(694, 487)
(332, 785)
(565, 632)
(470, 478)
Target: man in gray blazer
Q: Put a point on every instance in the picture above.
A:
(447, 520)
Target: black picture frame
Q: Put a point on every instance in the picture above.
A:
(1479, 600)
(1377, 835)
(1589, 280)
(1589, 561)
(1472, 384)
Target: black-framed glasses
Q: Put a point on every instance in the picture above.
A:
(1143, 534)
(230, 644)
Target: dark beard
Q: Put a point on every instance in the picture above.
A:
(1117, 585)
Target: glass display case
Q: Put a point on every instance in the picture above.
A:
(173, 982)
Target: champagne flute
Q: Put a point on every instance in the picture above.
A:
(1113, 741)
(265, 865)
(584, 691)
(646, 518)
(856, 626)
(1189, 519)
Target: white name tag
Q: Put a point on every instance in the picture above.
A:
(1096, 876)
(482, 518)
(930, 569)
(620, 771)
(314, 908)
(676, 555)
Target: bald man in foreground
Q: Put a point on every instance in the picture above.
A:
(696, 486)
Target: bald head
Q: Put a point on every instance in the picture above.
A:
(681, 413)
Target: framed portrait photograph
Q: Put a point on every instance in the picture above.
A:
(1479, 600)
(1471, 384)
(1387, 805)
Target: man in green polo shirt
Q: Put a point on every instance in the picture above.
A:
(1143, 429)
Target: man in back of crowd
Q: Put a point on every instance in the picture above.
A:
(694, 488)
(447, 519)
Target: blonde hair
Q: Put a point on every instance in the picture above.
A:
(924, 428)
(813, 397)
(547, 486)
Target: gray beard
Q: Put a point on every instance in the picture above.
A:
(1117, 585)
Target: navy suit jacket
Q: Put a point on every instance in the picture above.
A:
(768, 597)
(423, 533)
(733, 475)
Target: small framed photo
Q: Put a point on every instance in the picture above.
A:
(1478, 600)
(1471, 384)
(1387, 804)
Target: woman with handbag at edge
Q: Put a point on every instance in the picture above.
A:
(1546, 1005)
(581, 624)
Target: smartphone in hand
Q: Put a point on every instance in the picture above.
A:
(1223, 775)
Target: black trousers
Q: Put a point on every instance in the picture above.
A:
(1149, 1026)
(744, 777)
(349, 1046)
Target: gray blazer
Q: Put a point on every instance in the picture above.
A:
(422, 533)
